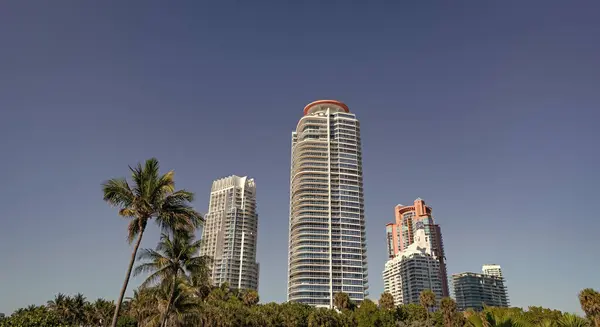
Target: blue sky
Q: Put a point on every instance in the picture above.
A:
(487, 110)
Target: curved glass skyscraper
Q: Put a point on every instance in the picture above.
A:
(327, 242)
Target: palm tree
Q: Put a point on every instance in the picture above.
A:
(213, 316)
(590, 303)
(571, 320)
(61, 305)
(31, 307)
(341, 300)
(77, 305)
(386, 301)
(222, 293)
(184, 308)
(173, 258)
(89, 313)
(102, 312)
(427, 299)
(140, 304)
(250, 297)
(201, 283)
(152, 196)
(448, 308)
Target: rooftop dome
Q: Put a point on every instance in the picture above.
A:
(320, 102)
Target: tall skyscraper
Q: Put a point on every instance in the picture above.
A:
(412, 271)
(327, 242)
(229, 233)
(473, 291)
(401, 234)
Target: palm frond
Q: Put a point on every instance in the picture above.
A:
(148, 267)
(178, 217)
(199, 266)
(475, 319)
(127, 212)
(117, 192)
(166, 246)
(150, 177)
(164, 186)
(196, 245)
(156, 277)
(137, 178)
(149, 254)
(571, 320)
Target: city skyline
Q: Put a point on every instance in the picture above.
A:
(486, 110)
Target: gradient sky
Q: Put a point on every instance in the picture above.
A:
(487, 110)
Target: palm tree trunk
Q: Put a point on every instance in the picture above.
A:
(163, 323)
(124, 288)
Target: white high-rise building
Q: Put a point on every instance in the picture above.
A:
(492, 270)
(327, 242)
(412, 271)
(229, 232)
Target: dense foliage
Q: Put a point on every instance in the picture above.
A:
(226, 307)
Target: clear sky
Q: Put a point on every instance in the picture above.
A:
(487, 110)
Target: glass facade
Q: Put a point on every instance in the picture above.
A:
(474, 291)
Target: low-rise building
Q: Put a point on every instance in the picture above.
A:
(473, 291)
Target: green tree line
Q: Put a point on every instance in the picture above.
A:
(177, 291)
(227, 307)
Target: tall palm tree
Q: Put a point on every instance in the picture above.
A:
(448, 307)
(590, 303)
(427, 299)
(173, 258)
(150, 196)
